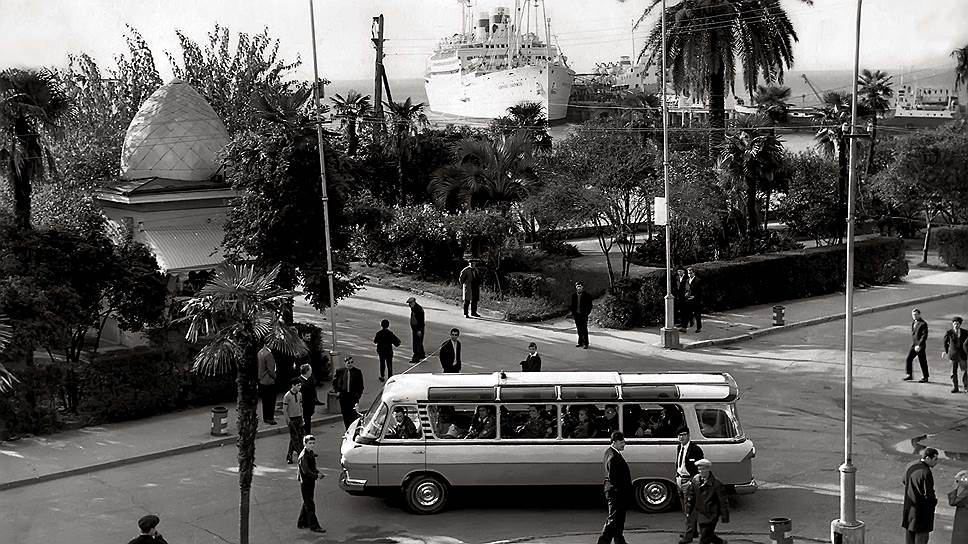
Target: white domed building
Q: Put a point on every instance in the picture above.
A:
(172, 195)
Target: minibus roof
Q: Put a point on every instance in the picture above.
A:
(678, 385)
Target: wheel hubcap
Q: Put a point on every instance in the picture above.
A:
(655, 493)
(428, 494)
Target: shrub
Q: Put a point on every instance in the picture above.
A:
(32, 407)
(527, 284)
(553, 246)
(615, 313)
(953, 246)
(126, 385)
(525, 310)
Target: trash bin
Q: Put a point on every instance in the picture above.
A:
(779, 527)
(778, 312)
(220, 421)
(332, 402)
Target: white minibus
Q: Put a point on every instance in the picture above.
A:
(427, 433)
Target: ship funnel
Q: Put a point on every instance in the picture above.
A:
(483, 26)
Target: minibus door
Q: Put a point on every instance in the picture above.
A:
(401, 452)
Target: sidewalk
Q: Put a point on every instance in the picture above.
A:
(36, 459)
(653, 536)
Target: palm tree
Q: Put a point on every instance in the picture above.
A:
(32, 104)
(350, 110)
(705, 37)
(875, 96)
(961, 70)
(404, 119)
(771, 99)
(753, 157)
(240, 309)
(528, 116)
(487, 173)
(834, 116)
(7, 380)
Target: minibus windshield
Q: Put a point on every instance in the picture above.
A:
(373, 425)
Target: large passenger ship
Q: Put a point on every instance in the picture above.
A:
(500, 63)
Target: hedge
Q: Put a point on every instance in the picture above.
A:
(953, 246)
(760, 279)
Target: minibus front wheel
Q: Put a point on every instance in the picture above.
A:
(425, 494)
(654, 495)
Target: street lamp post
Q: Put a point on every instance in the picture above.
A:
(322, 183)
(848, 529)
(670, 334)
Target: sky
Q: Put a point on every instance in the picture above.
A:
(896, 34)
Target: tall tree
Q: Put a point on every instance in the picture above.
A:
(350, 110)
(33, 105)
(527, 116)
(404, 121)
(7, 379)
(705, 38)
(771, 100)
(831, 139)
(874, 95)
(961, 69)
(239, 310)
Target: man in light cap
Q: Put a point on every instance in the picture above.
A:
(417, 327)
(149, 532)
(706, 500)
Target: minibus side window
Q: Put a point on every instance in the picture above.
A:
(716, 421)
(455, 421)
(529, 421)
(589, 420)
(404, 424)
(648, 420)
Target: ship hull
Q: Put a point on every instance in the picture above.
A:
(489, 95)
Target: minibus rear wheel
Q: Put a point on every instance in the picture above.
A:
(425, 494)
(654, 495)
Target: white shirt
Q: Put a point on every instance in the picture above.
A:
(681, 463)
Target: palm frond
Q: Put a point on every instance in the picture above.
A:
(220, 356)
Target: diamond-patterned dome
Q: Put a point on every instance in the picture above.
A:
(175, 134)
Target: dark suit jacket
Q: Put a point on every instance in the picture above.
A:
(449, 360)
(618, 478)
(307, 467)
(148, 539)
(385, 341)
(693, 454)
(707, 500)
(694, 292)
(308, 390)
(586, 303)
(956, 347)
(917, 515)
(417, 317)
(339, 382)
(919, 332)
(531, 364)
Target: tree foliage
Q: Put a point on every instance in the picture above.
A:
(809, 207)
(527, 116)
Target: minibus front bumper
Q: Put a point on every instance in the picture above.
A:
(353, 486)
(746, 489)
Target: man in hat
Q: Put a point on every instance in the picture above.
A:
(618, 491)
(417, 327)
(706, 500)
(688, 453)
(149, 531)
(470, 281)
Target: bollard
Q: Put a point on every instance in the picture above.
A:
(779, 527)
(778, 311)
(220, 421)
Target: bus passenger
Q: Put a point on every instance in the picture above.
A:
(609, 422)
(585, 427)
(483, 425)
(536, 426)
(403, 426)
(644, 426)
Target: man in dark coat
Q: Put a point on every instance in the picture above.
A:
(687, 454)
(307, 391)
(679, 286)
(581, 307)
(955, 348)
(706, 501)
(693, 296)
(417, 328)
(149, 532)
(450, 353)
(618, 491)
(385, 341)
(531, 363)
(348, 384)
(917, 516)
(919, 340)
(470, 280)
(308, 474)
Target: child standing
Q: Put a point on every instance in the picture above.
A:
(292, 411)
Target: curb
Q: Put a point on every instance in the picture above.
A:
(187, 448)
(738, 534)
(817, 321)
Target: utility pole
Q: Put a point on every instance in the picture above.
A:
(848, 529)
(376, 31)
(670, 334)
(322, 184)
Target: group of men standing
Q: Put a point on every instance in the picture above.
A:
(687, 290)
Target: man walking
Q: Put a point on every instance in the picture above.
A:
(308, 474)
(470, 281)
(292, 412)
(956, 350)
(149, 532)
(707, 502)
(348, 383)
(385, 341)
(919, 340)
(417, 328)
(618, 491)
(687, 454)
(693, 300)
(267, 385)
(307, 390)
(917, 516)
(450, 353)
(581, 307)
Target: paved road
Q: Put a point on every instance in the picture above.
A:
(792, 409)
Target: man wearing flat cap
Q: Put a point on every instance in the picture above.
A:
(706, 500)
(149, 532)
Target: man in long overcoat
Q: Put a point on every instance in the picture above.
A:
(417, 328)
(470, 281)
(917, 517)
